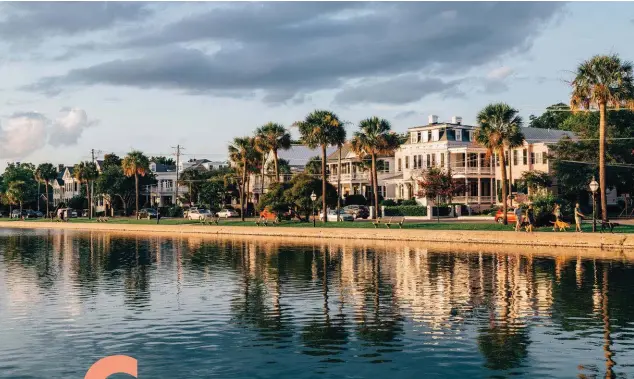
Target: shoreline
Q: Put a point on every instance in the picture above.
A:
(555, 239)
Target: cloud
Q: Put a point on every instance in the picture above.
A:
(500, 73)
(22, 134)
(25, 132)
(399, 90)
(287, 50)
(34, 21)
(67, 129)
(407, 114)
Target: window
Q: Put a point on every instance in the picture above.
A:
(386, 166)
(497, 160)
(442, 160)
(428, 161)
(425, 136)
(506, 157)
(544, 158)
(525, 157)
(406, 162)
(470, 136)
(413, 137)
(458, 135)
(532, 158)
(515, 158)
(434, 135)
(400, 166)
(415, 162)
(472, 160)
(433, 160)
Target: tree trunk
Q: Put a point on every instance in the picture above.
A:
(277, 168)
(323, 182)
(511, 175)
(38, 194)
(339, 184)
(136, 192)
(503, 171)
(602, 186)
(242, 185)
(263, 173)
(375, 187)
(89, 202)
(46, 189)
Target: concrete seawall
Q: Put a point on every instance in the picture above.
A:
(559, 239)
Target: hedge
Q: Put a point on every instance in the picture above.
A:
(406, 210)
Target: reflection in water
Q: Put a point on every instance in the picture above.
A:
(192, 307)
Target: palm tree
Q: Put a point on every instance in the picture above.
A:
(46, 172)
(322, 128)
(85, 172)
(603, 81)
(261, 146)
(274, 137)
(135, 164)
(375, 138)
(241, 153)
(499, 128)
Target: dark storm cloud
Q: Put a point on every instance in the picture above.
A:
(289, 49)
(22, 21)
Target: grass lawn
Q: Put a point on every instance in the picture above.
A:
(427, 225)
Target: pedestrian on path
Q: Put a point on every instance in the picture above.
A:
(530, 216)
(518, 218)
(578, 217)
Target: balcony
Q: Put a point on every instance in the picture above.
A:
(461, 170)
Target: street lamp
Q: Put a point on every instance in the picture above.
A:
(594, 186)
(313, 197)
(156, 204)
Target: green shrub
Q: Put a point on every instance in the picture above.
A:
(355, 200)
(175, 211)
(406, 210)
(544, 205)
(409, 202)
(389, 203)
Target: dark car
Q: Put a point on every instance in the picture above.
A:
(31, 214)
(148, 213)
(358, 211)
(17, 214)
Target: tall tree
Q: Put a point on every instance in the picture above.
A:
(603, 81)
(499, 127)
(85, 173)
(553, 118)
(46, 172)
(322, 128)
(163, 160)
(16, 192)
(136, 164)
(241, 153)
(375, 138)
(274, 137)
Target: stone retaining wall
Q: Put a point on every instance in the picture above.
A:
(554, 239)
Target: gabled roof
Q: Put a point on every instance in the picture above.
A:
(164, 168)
(533, 135)
(346, 152)
(298, 155)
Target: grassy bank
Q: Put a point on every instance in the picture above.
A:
(427, 225)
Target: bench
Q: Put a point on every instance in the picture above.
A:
(389, 222)
(209, 220)
(377, 222)
(102, 219)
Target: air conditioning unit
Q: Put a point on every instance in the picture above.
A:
(433, 119)
(456, 120)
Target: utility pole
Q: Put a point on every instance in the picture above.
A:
(178, 155)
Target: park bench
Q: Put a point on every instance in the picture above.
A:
(377, 222)
(102, 219)
(209, 220)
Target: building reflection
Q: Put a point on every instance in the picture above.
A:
(365, 294)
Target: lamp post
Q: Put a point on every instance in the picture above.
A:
(594, 186)
(313, 197)
(156, 204)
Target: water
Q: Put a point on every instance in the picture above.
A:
(195, 308)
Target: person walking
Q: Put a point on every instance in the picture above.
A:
(578, 217)
(518, 218)
(530, 216)
(557, 213)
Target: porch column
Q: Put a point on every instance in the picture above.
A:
(466, 178)
(479, 189)
(493, 194)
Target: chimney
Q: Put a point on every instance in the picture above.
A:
(433, 119)
(456, 120)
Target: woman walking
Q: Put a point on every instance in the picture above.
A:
(578, 217)
(530, 216)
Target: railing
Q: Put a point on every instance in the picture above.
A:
(348, 177)
(471, 199)
(461, 170)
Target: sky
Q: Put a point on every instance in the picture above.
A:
(115, 76)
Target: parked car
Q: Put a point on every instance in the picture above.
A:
(198, 214)
(358, 211)
(226, 213)
(148, 213)
(31, 213)
(17, 214)
(332, 215)
(74, 213)
(39, 214)
(510, 216)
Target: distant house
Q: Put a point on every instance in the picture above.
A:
(65, 187)
(297, 157)
(202, 164)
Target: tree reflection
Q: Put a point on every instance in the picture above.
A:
(327, 336)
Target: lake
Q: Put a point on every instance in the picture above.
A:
(190, 307)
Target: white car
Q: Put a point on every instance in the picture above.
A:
(226, 213)
(198, 214)
(332, 216)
